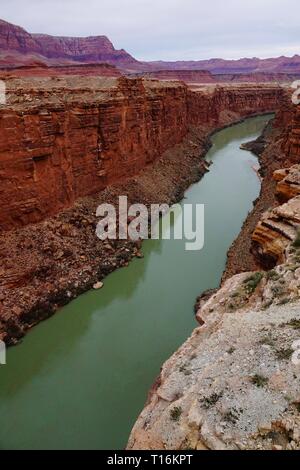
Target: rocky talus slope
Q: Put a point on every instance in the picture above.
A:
(235, 383)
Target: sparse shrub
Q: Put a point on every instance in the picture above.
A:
(296, 242)
(284, 301)
(284, 354)
(292, 267)
(231, 416)
(294, 323)
(259, 380)
(235, 294)
(272, 275)
(267, 340)
(297, 406)
(252, 282)
(232, 306)
(185, 370)
(231, 350)
(208, 402)
(267, 304)
(277, 290)
(175, 413)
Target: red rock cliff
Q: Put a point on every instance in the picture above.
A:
(197, 76)
(62, 139)
(291, 146)
(213, 104)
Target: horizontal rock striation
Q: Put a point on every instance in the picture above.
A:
(197, 76)
(288, 182)
(257, 77)
(291, 146)
(217, 104)
(61, 142)
(278, 227)
(41, 70)
(288, 65)
(62, 139)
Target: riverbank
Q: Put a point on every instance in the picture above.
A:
(46, 265)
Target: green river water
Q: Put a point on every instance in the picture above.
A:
(80, 379)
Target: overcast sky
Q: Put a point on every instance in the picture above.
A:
(169, 29)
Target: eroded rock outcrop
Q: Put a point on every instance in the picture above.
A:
(232, 385)
(278, 227)
(288, 182)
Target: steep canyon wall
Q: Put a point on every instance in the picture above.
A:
(66, 138)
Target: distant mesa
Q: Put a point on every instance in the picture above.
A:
(61, 49)
(19, 49)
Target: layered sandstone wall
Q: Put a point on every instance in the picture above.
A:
(40, 70)
(62, 139)
(291, 145)
(59, 143)
(197, 76)
(214, 104)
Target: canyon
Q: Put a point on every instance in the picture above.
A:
(82, 142)
(108, 335)
(82, 124)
